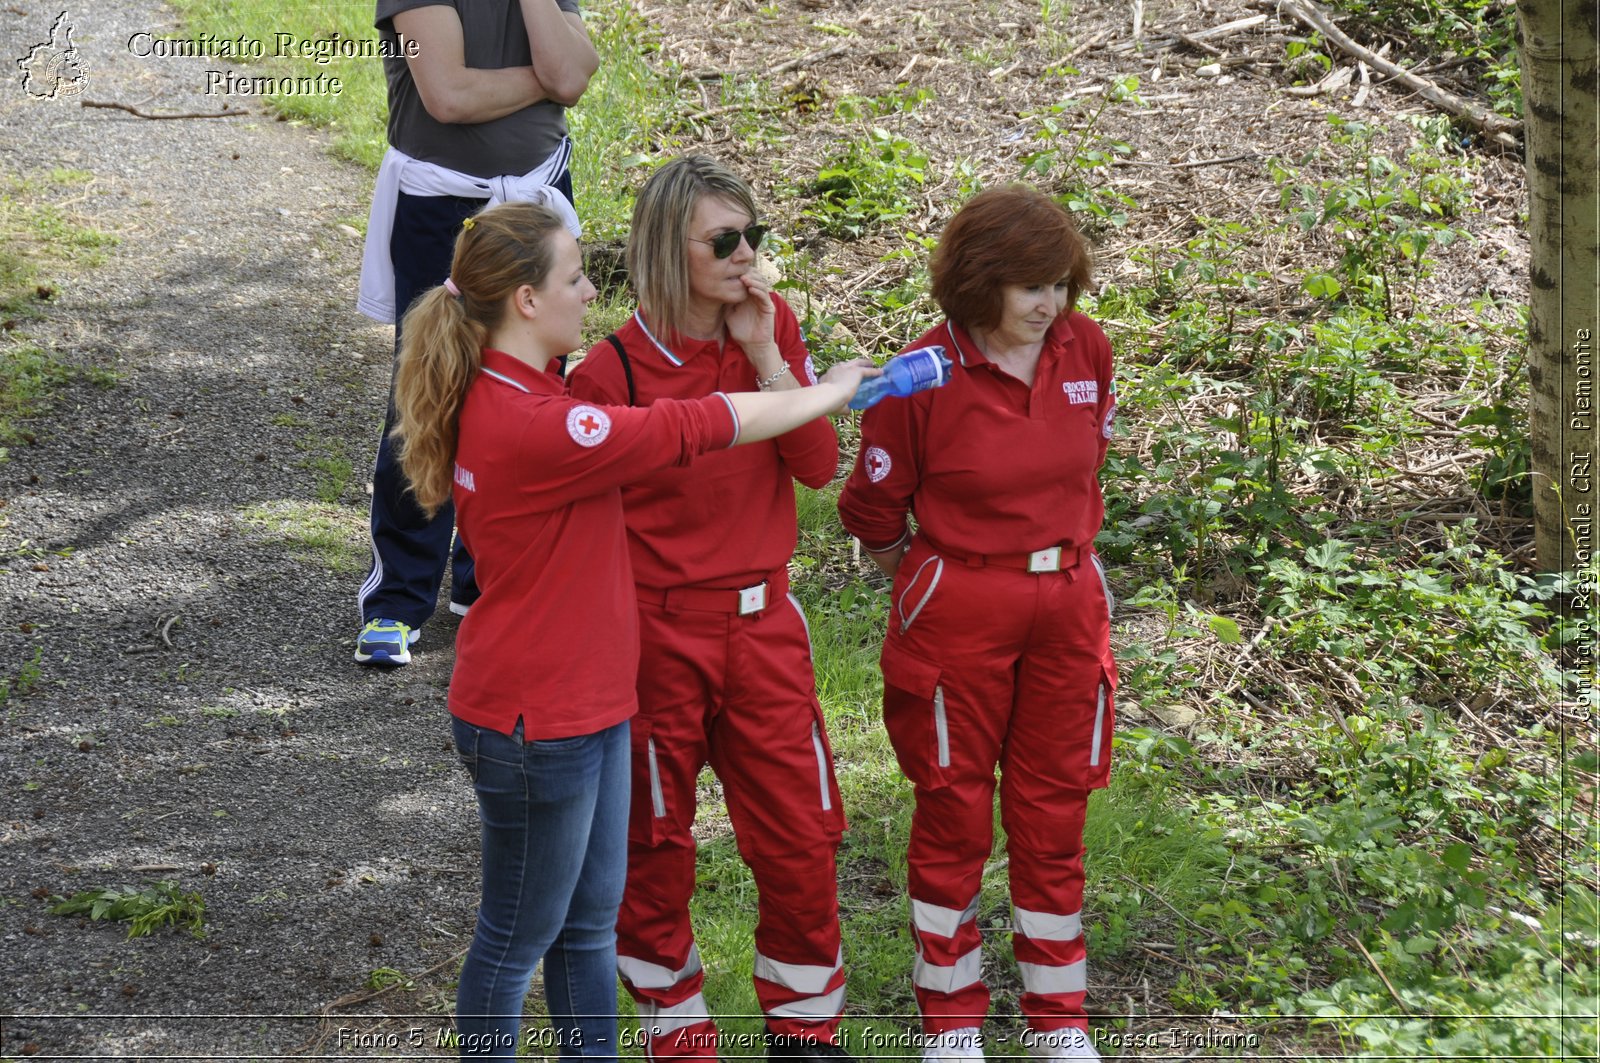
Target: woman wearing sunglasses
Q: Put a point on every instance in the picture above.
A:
(725, 673)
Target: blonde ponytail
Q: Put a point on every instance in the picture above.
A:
(440, 352)
(443, 334)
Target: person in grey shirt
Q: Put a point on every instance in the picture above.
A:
(477, 98)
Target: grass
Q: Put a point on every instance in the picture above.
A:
(37, 236)
(357, 114)
(320, 532)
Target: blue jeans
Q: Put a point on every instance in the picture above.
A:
(555, 844)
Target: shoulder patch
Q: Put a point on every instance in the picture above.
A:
(877, 463)
(588, 425)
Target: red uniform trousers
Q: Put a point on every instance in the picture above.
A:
(736, 692)
(987, 664)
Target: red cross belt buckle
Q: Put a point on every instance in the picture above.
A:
(1046, 560)
(752, 599)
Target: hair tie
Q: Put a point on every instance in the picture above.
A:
(450, 286)
(468, 223)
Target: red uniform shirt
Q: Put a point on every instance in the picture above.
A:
(730, 520)
(988, 464)
(555, 636)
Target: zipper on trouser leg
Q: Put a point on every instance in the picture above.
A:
(822, 766)
(658, 800)
(1105, 587)
(1099, 725)
(941, 727)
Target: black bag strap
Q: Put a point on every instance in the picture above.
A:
(627, 368)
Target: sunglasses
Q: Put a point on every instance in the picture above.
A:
(725, 244)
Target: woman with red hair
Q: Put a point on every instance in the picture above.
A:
(998, 651)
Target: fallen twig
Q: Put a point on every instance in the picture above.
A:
(166, 627)
(1366, 84)
(806, 60)
(1086, 45)
(114, 106)
(1212, 934)
(1162, 44)
(1335, 81)
(318, 1039)
(1501, 130)
(1192, 164)
(1196, 43)
(733, 108)
(1379, 972)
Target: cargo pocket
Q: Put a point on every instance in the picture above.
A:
(648, 816)
(915, 716)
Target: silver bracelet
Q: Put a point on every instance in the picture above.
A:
(766, 385)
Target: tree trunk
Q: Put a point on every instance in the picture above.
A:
(1561, 111)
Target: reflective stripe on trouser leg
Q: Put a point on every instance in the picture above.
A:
(672, 1012)
(678, 1031)
(640, 974)
(820, 988)
(1050, 956)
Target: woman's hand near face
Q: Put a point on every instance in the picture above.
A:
(750, 325)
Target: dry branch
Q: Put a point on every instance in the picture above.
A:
(1501, 130)
(807, 60)
(1161, 44)
(112, 105)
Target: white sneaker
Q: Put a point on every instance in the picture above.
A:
(963, 1044)
(1066, 1043)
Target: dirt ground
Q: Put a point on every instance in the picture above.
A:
(197, 716)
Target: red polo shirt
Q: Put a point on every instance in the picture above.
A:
(729, 521)
(554, 638)
(988, 464)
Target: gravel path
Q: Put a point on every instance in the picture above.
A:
(316, 807)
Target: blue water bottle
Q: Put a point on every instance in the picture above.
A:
(904, 374)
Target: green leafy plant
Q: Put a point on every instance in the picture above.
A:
(1385, 216)
(867, 184)
(388, 977)
(25, 681)
(145, 910)
(1078, 158)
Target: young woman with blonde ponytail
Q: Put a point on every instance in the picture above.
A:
(546, 662)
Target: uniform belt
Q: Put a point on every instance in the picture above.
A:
(741, 601)
(1049, 559)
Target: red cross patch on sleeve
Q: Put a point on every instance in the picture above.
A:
(877, 463)
(588, 426)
